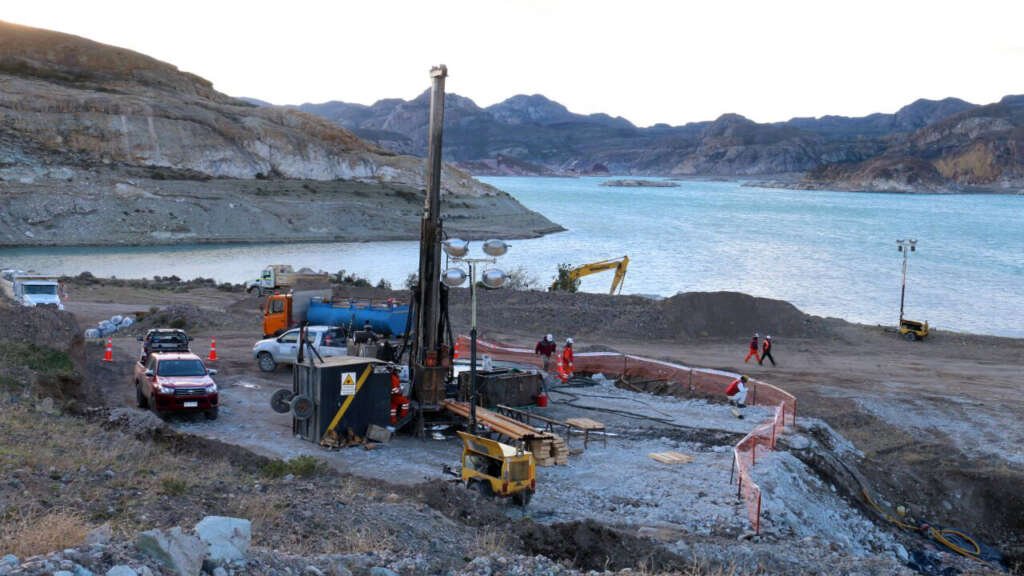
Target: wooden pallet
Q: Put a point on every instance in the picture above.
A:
(548, 449)
(671, 457)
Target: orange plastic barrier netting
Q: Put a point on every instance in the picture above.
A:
(697, 380)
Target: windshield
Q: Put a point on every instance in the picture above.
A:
(180, 368)
(50, 289)
(168, 339)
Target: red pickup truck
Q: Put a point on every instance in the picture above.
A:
(176, 382)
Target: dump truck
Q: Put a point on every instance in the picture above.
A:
(496, 469)
(283, 277)
(285, 311)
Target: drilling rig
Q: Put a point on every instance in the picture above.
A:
(429, 337)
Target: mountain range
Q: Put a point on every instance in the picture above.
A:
(102, 145)
(928, 145)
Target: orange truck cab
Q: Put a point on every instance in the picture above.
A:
(283, 312)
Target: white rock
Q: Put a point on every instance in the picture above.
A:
(99, 535)
(121, 570)
(180, 553)
(901, 553)
(226, 539)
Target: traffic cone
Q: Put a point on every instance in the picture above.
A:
(561, 371)
(213, 350)
(108, 356)
(456, 354)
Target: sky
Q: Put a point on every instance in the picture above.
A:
(670, 61)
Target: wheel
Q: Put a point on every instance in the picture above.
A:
(280, 402)
(481, 486)
(522, 498)
(910, 336)
(212, 413)
(302, 407)
(266, 362)
(140, 399)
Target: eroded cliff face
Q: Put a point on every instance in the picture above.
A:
(86, 118)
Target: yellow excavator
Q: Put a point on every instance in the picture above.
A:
(571, 277)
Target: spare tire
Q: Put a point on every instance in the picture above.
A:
(302, 407)
(280, 401)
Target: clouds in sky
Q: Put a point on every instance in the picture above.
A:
(647, 60)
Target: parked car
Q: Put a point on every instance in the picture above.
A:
(176, 382)
(164, 340)
(326, 340)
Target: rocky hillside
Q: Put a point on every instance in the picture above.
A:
(104, 145)
(923, 146)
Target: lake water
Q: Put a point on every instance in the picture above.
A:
(829, 253)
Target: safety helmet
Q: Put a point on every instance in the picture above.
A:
(756, 334)
(744, 378)
(568, 340)
(768, 337)
(549, 338)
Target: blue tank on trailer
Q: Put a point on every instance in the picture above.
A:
(387, 319)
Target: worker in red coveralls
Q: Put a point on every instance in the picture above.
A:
(766, 350)
(754, 349)
(399, 403)
(737, 391)
(567, 356)
(545, 347)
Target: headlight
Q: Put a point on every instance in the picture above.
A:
(211, 388)
(160, 389)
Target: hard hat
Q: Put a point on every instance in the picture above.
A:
(756, 334)
(549, 338)
(743, 378)
(768, 337)
(568, 340)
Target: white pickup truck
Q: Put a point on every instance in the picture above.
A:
(284, 349)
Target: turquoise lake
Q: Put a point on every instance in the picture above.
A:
(829, 253)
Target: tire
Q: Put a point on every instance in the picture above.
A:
(212, 413)
(522, 498)
(280, 401)
(140, 399)
(302, 407)
(910, 336)
(266, 362)
(482, 487)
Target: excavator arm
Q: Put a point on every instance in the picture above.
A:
(618, 264)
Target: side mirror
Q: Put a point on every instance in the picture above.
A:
(149, 373)
(212, 371)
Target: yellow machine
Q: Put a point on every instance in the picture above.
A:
(617, 264)
(912, 329)
(496, 469)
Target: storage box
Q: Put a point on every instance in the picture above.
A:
(331, 383)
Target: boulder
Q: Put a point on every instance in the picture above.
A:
(121, 570)
(226, 539)
(178, 552)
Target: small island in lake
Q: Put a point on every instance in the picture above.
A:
(636, 183)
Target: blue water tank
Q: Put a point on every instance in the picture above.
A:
(387, 320)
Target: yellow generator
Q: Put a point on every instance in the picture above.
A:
(496, 469)
(912, 329)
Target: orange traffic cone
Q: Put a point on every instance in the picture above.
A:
(561, 371)
(108, 356)
(213, 350)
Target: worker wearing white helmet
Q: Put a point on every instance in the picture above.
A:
(545, 348)
(567, 358)
(766, 350)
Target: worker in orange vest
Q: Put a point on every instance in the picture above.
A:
(399, 402)
(737, 391)
(567, 357)
(754, 349)
(766, 350)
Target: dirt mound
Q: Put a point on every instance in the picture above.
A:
(732, 314)
(681, 317)
(184, 316)
(41, 326)
(592, 546)
(459, 503)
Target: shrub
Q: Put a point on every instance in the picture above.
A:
(384, 284)
(30, 535)
(563, 281)
(301, 466)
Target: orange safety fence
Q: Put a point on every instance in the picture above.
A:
(705, 381)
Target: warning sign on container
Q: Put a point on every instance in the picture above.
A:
(348, 383)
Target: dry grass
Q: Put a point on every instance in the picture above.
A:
(366, 539)
(490, 542)
(28, 535)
